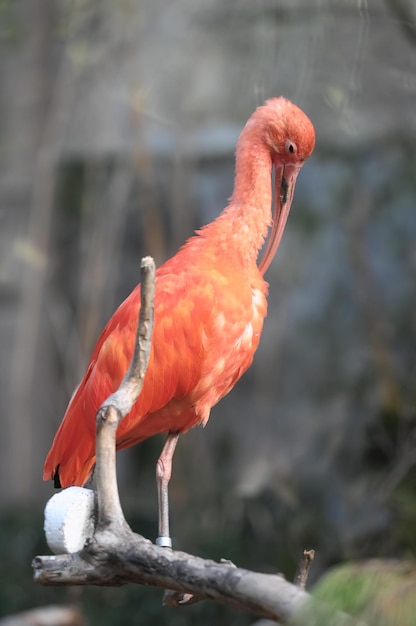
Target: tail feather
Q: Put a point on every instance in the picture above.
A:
(72, 454)
(56, 479)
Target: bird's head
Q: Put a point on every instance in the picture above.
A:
(290, 137)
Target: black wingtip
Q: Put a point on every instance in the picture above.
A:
(56, 479)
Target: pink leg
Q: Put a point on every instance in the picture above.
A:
(163, 474)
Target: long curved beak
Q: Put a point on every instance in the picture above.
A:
(285, 181)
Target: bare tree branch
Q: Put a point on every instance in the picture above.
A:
(119, 404)
(131, 386)
(115, 558)
(302, 572)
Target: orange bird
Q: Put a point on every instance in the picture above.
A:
(210, 304)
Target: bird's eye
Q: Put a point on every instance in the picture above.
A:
(290, 147)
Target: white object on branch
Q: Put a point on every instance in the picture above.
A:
(70, 519)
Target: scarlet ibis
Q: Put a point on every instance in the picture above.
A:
(210, 305)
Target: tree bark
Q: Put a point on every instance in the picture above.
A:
(115, 558)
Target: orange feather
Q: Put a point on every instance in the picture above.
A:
(210, 305)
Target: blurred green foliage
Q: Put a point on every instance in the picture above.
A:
(377, 593)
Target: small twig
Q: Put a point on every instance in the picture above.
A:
(175, 599)
(120, 403)
(302, 572)
(131, 386)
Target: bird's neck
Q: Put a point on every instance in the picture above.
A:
(243, 225)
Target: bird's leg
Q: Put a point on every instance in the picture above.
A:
(163, 474)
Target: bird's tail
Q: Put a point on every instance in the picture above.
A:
(72, 455)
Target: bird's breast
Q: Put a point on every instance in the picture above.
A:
(233, 340)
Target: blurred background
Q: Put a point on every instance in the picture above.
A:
(118, 123)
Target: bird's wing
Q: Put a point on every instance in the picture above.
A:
(182, 310)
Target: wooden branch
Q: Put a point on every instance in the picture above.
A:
(115, 555)
(131, 386)
(115, 559)
(302, 572)
(120, 403)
